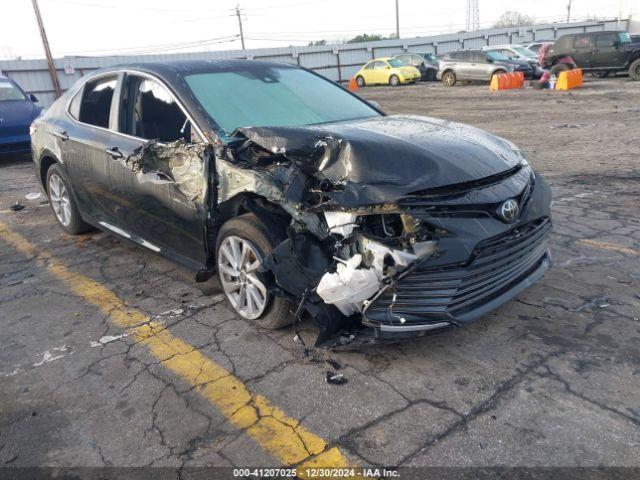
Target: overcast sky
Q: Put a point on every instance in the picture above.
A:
(102, 27)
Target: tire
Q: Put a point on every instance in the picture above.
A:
(248, 228)
(449, 78)
(360, 81)
(634, 70)
(559, 67)
(63, 203)
(394, 81)
(497, 72)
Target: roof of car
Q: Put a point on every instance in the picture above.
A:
(186, 67)
(505, 45)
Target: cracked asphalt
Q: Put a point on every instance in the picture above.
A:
(111, 355)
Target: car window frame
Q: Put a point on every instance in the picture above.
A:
(120, 91)
(80, 92)
(614, 35)
(115, 103)
(581, 36)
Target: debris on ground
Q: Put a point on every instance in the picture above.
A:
(334, 378)
(33, 196)
(17, 206)
(333, 363)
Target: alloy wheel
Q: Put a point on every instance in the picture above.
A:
(60, 200)
(238, 262)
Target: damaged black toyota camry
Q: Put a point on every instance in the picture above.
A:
(302, 197)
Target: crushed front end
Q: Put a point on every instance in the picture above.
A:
(383, 253)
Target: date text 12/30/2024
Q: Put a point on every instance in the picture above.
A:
(312, 473)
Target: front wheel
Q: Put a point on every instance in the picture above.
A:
(62, 202)
(360, 81)
(634, 70)
(243, 244)
(449, 78)
(394, 81)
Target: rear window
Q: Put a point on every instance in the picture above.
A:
(95, 107)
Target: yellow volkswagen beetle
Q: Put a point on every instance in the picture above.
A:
(386, 71)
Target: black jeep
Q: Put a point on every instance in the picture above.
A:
(597, 52)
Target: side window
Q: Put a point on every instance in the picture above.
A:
(507, 53)
(454, 55)
(582, 41)
(369, 66)
(381, 65)
(606, 39)
(95, 106)
(149, 111)
(74, 106)
(479, 57)
(466, 56)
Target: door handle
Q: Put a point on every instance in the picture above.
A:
(113, 152)
(64, 136)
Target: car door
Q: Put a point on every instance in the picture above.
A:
(155, 207)
(82, 143)
(460, 64)
(381, 72)
(606, 51)
(368, 73)
(476, 66)
(582, 50)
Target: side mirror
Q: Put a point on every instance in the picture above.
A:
(33, 98)
(616, 44)
(387, 67)
(489, 60)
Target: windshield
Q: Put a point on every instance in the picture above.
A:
(624, 37)
(525, 52)
(8, 91)
(496, 56)
(395, 63)
(273, 96)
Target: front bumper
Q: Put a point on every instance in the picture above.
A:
(428, 298)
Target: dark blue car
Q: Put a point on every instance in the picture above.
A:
(17, 111)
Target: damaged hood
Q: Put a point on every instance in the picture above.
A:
(381, 159)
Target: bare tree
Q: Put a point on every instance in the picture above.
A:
(511, 18)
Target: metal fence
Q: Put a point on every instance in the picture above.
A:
(338, 62)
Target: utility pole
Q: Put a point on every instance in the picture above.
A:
(240, 25)
(569, 11)
(47, 50)
(397, 19)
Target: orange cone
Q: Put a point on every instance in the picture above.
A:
(353, 85)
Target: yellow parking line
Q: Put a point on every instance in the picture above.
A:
(609, 246)
(283, 437)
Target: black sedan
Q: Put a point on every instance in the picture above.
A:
(298, 194)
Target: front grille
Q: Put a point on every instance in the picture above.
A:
(430, 294)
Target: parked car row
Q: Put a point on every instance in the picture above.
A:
(598, 53)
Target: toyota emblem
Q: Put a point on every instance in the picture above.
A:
(509, 210)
